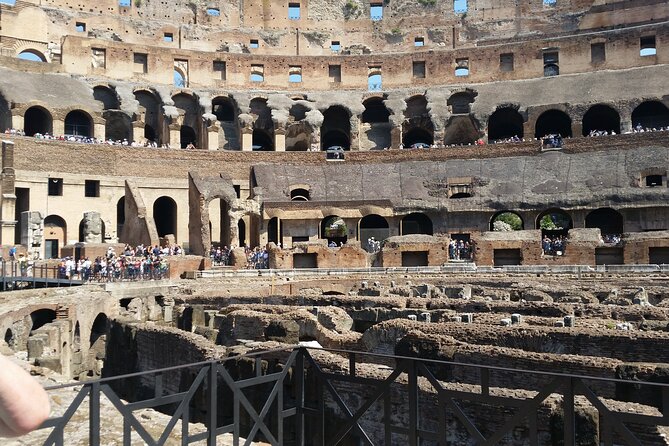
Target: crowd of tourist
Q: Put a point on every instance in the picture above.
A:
(460, 250)
(88, 140)
(256, 258)
(373, 245)
(554, 245)
(611, 239)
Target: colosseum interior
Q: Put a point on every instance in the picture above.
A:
(445, 222)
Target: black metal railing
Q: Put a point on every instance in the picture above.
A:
(303, 396)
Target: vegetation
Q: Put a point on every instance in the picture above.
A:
(554, 221)
(507, 221)
(396, 31)
(138, 3)
(427, 2)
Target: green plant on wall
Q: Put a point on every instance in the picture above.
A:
(427, 2)
(138, 3)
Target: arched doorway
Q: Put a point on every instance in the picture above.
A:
(274, 231)
(505, 123)
(149, 113)
(98, 329)
(650, 115)
(372, 226)
(120, 217)
(334, 230)
(263, 125)
(416, 223)
(225, 110)
(107, 98)
(37, 120)
(262, 141)
(55, 236)
(32, 55)
(78, 123)
(165, 216)
(506, 221)
(187, 136)
(241, 228)
(553, 122)
(555, 225)
(417, 136)
(601, 118)
(609, 221)
(375, 124)
(417, 126)
(219, 222)
(189, 113)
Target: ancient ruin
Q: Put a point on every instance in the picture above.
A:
(458, 210)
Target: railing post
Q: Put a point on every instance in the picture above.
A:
(94, 415)
(212, 418)
(413, 403)
(568, 413)
(299, 398)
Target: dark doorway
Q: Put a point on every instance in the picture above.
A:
(658, 256)
(507, 257)
(37, 120)
(373, 226)
(650, 115)
(415, 258)
(187, 136)
(416, 223)
(22, 205)
(120, 216)
(609, 256)
(601, 118)
(505, 123)
(607, 220)
(165, 216)
(333, 228)
(305, 260)
(553, 122)
(78, 123)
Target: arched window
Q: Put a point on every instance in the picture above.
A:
(299, 194)
(107, 97)
(262, 141)
(32, 56)
(609, 221)
(375, 111)
(39, 318)
(554, 220)
(506, 221)
(179, 79)
(78, 123)
(187, 136)
(333, 228)
(373, 226)
(336, 128)
(120, 216)
(374, 81)
(224, 109)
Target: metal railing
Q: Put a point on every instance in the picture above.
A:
(289, 396)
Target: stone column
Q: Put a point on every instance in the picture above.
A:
(212, 137)
(99, 131)
(280, 140)
(17, 122)
(247, 139)
(138, 131)
(7, 180)
(58, 127)
(175, 136)
(395, 136)
(93, 227)
(32, 232)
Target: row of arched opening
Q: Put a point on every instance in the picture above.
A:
(335, 230)
(607, 220)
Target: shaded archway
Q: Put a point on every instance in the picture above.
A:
(149, 113)
(165, 216)
(120, 216)
(107, 97)
(375, 129)
(416, 223)
(219, 222)
(187, 136)
(9, 338)
(262, 141)
(37, 120)
(41, 317)
(650, 114)
(461, 129)
(224, 108)
(334, 230)
(609, 221)
(336, 128)
(553, 122)
(601, 117)
(505, 123)
(98, 329)
(372, 225)
(460, 103)
(32, 55)
(241, 230)
(118, 126)
(274, 231)
(506, 221)
(417, 126)
(554, 222)
(55, 235)
(78, 123)
(375, 110)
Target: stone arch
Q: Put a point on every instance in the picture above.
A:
(10, 340)
(505, 122)
(298, 131)
(372, 225)
(334, 229)
(417, 126)
(149, 114)
(41, 317)
(461, 102)
(375, 110)
(79, 123)
(107, 97)
(650, 114)
(219, 220)
(376, 126)
(37, 119)
(189, 119)
(165, 216)
(336, 128)
(31, 54)
(262, 141)
(55, 235)
(609, 221)
(512, 219)
(226, 111)
(98, 329)
(601, 117)
(553, 122)
(463, 129)
(416, 223)
(554, 220)
(263, 125)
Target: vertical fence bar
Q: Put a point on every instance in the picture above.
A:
(94, 415)
(568, 415)
(212, 397)
(413, 404)
(351, 363)
(299, 398)
(185, 418)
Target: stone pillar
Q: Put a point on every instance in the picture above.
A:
(7, 180)
(17, 122)
(439, 136)
(355, 133)
(138, 131)
(247, 139)
(32, 232)
(93, 227)
(212, 137)
(395, 136)
(576, 129)
(58, 127)
(175, 136)
(99, 131)
(280, 140)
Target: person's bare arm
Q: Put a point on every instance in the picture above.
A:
(24, 405)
